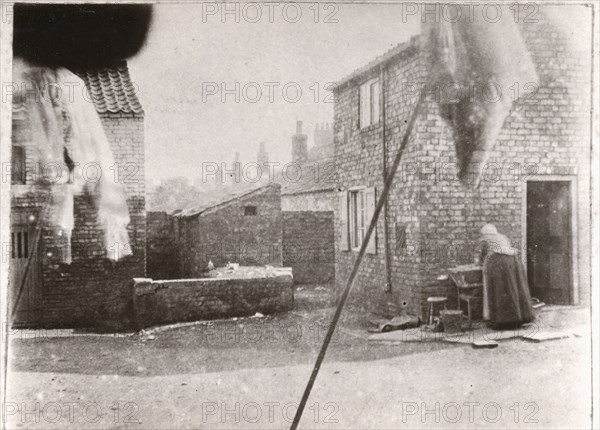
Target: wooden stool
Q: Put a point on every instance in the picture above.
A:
(432, 302)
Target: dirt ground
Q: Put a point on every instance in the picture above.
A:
(250, 373)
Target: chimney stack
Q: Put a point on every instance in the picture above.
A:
(323, 135)
(262, 157)
(299, 145)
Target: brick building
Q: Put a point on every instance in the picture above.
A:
(244, 228)
(91, 290)
(535, 186)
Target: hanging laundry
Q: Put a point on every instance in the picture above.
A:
(68, 134)
(478, 68)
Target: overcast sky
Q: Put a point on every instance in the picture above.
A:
(192, 55)
(184, 55)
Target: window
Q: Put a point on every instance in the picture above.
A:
(18, 171)
(19, 244)
(357, 218)
(369, 103)
(249, 210)
(356, 208)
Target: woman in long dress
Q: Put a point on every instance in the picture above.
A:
(506, 297)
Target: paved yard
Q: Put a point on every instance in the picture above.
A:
(249, 373)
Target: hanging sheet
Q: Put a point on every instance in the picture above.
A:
(479, 67)
(67, 133)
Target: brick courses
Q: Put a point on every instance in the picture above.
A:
(308, 246)
(548, 135)
(92, 291)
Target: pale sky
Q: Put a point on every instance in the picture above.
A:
(183, 54)
(190, 48)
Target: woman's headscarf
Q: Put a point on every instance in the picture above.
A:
(495, 241)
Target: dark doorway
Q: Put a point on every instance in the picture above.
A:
(24, 269)
(549, 241)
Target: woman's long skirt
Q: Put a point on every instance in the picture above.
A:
(506, 298)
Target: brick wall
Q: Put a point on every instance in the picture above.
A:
(312, 201)
(441, 217)
(163, 302)
(162, 252)
(308, 246)
(359, 159)
(225, 234)
(92, 290)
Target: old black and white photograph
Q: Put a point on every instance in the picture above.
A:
(299, 215)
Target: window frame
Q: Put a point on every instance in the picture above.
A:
(357, 215)
(373, 115)
(356, 208)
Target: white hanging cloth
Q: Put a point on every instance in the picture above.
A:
(59, 117)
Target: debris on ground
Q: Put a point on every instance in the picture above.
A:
(397, 323)
(489, 344)
(542, 336)
(146, 335)
(480, 336)
(537, 303)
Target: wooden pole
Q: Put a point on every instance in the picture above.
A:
(361, 253)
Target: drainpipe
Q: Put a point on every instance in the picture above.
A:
(386, 236)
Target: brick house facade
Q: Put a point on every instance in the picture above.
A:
(91, 290)
(432, 220)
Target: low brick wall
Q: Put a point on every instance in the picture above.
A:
(172, 301)
(308, 246)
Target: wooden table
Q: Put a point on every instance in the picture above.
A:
(469, 284)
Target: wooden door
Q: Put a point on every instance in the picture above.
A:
(549, 241)
(25, 273)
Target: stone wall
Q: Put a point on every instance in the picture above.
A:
(92, 290)
(227, 233)
(162, 252)
(308, 246)
(163, 302)
(545, 136)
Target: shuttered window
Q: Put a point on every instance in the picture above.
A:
(343, 211)
(356, 210)
(369, 103)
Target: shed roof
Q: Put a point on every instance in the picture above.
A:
(316, 176)
(112, 90)
(223, 202)
(408, 47)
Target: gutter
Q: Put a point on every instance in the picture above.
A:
(386, 236)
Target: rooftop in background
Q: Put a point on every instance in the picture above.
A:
(223, 202)
(316, 176)
(409, 47)
(111, 89)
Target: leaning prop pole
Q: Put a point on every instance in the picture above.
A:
(361, 253)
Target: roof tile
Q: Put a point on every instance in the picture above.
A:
(111, 89)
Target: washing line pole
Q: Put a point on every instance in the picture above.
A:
(361, 253)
